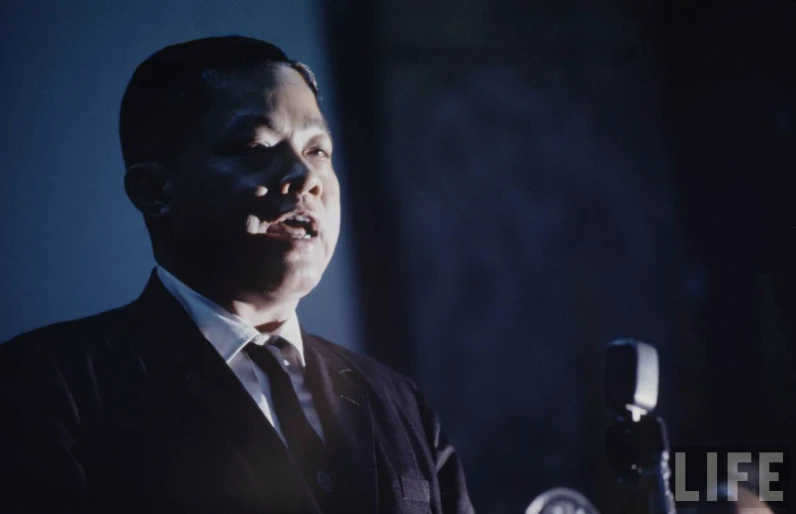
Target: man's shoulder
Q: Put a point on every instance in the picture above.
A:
(53, 368)
(66, 339)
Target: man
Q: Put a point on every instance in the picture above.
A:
(204, 394)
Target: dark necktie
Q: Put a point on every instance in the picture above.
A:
(278, 359)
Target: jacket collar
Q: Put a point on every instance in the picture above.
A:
(168, 336)
(176, 353)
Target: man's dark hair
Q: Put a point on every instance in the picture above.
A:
(169, 92)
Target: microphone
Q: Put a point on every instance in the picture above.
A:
(631, 377)
(636, 443)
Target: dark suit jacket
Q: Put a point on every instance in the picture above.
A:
(132, 410)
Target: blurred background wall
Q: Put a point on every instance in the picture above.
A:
(524, 182)
(535, 179)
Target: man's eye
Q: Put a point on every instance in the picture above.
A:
(319, 152)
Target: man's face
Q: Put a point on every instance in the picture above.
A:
(255, 199)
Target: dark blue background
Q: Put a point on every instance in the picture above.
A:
(524, 181)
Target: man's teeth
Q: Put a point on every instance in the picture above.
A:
(295, 227)
(301, 222)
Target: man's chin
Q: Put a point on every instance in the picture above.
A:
(289, 284)
(293, 272)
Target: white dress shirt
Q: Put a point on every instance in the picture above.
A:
(229, 333)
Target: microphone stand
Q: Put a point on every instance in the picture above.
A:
(638, 452)
(636, 442)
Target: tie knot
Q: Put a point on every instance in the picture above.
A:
(276, 354)
(287, 352)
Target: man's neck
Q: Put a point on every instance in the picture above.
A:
(264, 317)
(265, 311)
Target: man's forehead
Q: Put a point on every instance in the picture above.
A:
(260, 77)
(246, 102)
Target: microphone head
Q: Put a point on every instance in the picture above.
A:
(631, 377)
(561, 500)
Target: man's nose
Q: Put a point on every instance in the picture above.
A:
(299, 178)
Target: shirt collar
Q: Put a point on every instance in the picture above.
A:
(226, 331)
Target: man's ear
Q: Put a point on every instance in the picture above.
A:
(149, 186)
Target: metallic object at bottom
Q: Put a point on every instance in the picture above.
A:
(561, 501)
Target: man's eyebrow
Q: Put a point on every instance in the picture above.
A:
(316, 122)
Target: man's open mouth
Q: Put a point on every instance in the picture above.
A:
(296, 225)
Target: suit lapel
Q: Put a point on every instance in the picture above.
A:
(346, 417)
(169, 337)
